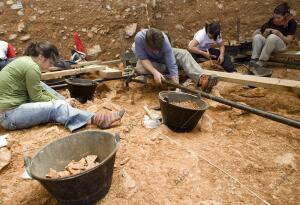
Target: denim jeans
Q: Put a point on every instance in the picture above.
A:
(31, 114)
(184, 60)
(263, 47)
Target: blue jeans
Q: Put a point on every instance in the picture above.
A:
(31, 114)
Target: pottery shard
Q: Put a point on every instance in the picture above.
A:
(63, 174)
(52, 174)
(5, 157)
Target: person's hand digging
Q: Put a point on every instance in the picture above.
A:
(157, 78)
(209, 56)
(221, 59)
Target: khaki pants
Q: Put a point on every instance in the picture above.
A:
(264, 47)
(184, 60)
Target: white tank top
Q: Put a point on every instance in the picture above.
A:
(3, 50)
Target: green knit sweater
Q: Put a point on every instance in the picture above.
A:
(20, 83)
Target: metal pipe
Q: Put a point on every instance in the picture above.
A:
(268, 115)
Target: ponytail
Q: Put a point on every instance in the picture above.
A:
(45, 49)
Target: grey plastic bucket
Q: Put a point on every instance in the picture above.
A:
(87, 187)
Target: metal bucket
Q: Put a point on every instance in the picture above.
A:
(84, 188)
(81, 89)
(177, 118)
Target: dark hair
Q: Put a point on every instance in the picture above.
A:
(155, 38)
(44, 48)
(214, 29)
(282, 9)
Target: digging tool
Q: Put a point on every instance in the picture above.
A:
(153, 121)
(210, 60)
(268, 115)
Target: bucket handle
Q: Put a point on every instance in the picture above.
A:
(27, 165)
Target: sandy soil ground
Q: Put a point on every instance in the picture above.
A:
(244, 159)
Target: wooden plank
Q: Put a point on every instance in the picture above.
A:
(75, 71)
(82, 64)
(99, 62)
(110, 73)
(271, 64)
(289, 57)
(269, 83)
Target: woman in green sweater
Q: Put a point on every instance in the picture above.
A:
(24, 102)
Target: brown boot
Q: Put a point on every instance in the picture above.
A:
(105, 120)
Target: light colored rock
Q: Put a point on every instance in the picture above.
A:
(128, 181)
(94, 51)
(108, 7)
(94, 29)
(20, 13)
(206, 123)
(2, 29)
(5, 157)
(9, 2)
(131, 29)
(17, 6)
(158, 16)
(179, 27)
(90, 35)
(285, 160)
(21, 27)
(83, 29)
(25, 38)
(41, 12)
(293, 12)
(220, 6)
(61, 19)
(12, 36)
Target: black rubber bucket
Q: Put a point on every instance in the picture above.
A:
(232, 50)
(177, 118)
(81, 89)
(246, 46)
(87, 187)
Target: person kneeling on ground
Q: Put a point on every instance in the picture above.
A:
(274, 36)
(204, 43)
(157, 57)
(24, 101)
(7, 54)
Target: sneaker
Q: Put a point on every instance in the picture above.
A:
(105, 120)
(253, 61)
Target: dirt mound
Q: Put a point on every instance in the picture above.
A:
(99, 22)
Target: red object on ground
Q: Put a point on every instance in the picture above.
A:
(78, 44)
(10, 51)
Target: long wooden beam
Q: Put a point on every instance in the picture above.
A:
(75, 71)
(98, 62)
(269, 83)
